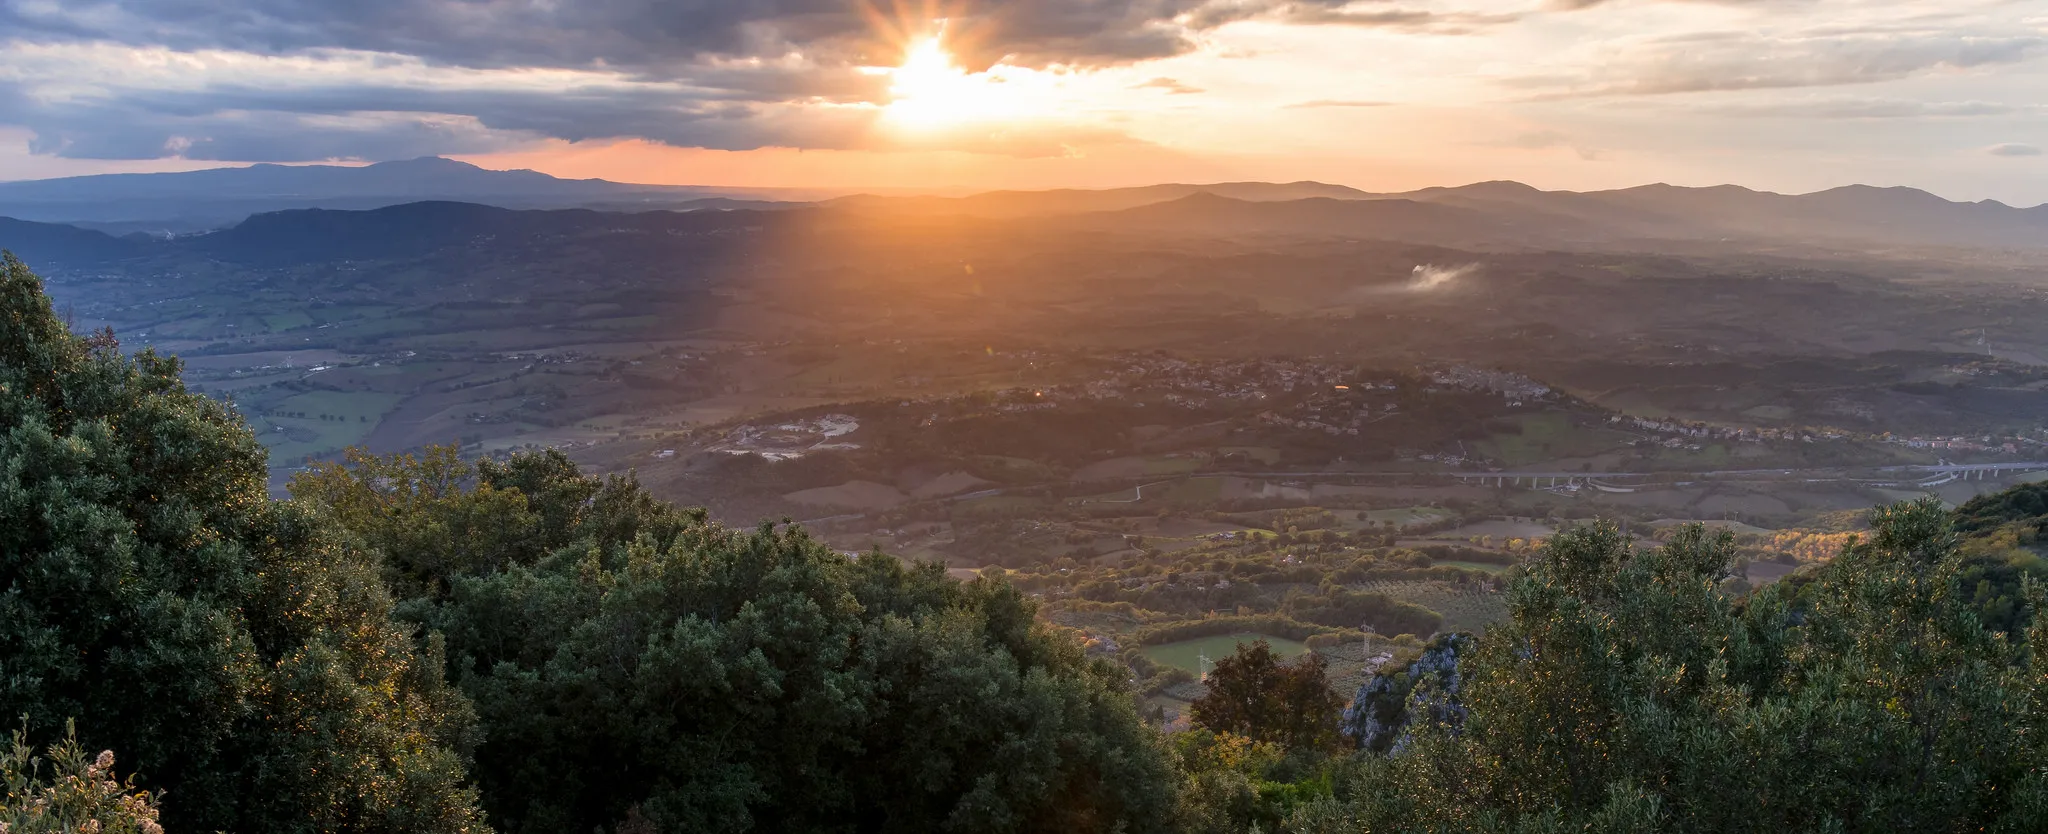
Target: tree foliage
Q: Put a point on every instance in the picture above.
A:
(624, 654)
(229, 645)
(2026, 504)
(1630, 693)
(1254, 695)
(2002, 553)
(1357, 609)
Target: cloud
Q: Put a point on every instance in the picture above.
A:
(1421, 21)
(357, 106)
(1354, 13)
(1334, 102)
(649, 36)
(1170, 85)
(278, 137)
(661, 38)
(107, 102)
(1876, 108)
(290, 80)
(1725, 61)
(284, 80)
(2013, 149)
(1581, 5)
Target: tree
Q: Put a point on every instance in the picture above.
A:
(1252, 694)
(624, 653)
(231, 646)
(1629, 692)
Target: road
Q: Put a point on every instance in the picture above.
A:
(1838, 473)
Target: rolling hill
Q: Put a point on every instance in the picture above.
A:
(1499, 215)
(215, 198)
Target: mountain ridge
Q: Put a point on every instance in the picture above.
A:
(213, 198)
(1487, 214)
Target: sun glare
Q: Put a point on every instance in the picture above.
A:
(929, 91)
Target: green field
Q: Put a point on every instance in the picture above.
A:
(1263, 454)
(334, 420)
(1187, 654)
(1156, 465)
(350, 406)
(998, 505)
(1010, 470)
(1462, 610)
(1548, 436)
(1708, 457)
(1408, 516)
(1484, 567)
(287, 321)
(627, 323)
(1193, 491)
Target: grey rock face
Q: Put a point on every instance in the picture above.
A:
(1387, 707)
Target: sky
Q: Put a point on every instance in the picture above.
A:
(1386, 95)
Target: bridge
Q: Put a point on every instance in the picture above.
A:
(1923, 475)
(1936, 473)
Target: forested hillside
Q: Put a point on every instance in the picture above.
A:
(421, 643)
(609, 661)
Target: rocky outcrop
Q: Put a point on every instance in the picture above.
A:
(1388, 706)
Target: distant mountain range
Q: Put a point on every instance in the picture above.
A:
(411, 230)
(210, 199)
(55, 243)
(1075, 201)
(1512, 213)
(397, 208)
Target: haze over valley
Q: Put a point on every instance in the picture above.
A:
(1652, 353)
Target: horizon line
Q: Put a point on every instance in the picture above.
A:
(962, 191)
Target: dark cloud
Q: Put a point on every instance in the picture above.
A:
(667, 38)
(1580, 5)
(728, 74)
(362, 124)
(1345, 13)
(260, 137)
(253, 124)
(656, 37)
(2013, 149)
(1401, 19)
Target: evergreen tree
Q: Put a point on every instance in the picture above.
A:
(1628, 692)
(238, 654)
(635, 664)
(1252, 694)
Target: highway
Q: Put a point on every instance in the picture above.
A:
(1913, 472)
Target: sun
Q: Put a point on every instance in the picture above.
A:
(929, 90)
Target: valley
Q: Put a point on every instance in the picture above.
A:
(1166, 435)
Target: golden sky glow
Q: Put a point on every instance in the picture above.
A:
(933, 94)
